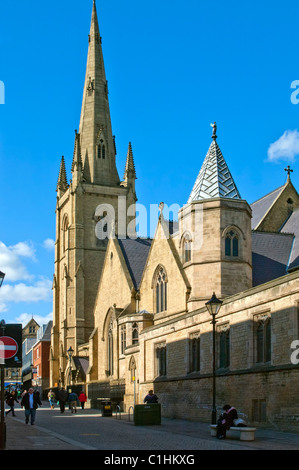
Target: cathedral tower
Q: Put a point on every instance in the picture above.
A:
(90, 207)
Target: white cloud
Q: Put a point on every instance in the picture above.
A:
(20, 286)
(285, 148)
(24, 318)
(3, 308)
(39, 291)
(49, 244)
(10, 261)
(23, 249)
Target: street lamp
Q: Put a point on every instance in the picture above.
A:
(213, 307)
(70, 353)
(2, 364)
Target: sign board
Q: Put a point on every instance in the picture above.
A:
(11, 345)
(8, 347)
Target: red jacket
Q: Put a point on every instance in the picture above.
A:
(82, 397)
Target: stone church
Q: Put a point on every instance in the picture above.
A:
(130, 313)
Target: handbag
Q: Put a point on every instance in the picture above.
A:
(239, 422)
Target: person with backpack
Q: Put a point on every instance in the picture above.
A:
(51, 397)
(73, 398)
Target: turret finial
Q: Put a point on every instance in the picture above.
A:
(214, 126)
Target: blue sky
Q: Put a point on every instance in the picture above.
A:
(173, 68)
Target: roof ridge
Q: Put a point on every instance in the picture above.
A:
(272, 233)
(268, 194)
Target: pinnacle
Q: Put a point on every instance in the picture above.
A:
(62, 183)
(77, 160)
(130, 166)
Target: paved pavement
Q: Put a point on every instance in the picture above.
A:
(88, 430)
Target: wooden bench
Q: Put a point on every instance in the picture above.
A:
(246, 433)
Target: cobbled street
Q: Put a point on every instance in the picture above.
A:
(88, 430)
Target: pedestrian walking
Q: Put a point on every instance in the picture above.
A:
(51, 397)
(30, 401)
(82, 399)
(73, 398)
(10, 401)
(61, 397)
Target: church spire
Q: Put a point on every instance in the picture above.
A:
(96, 139)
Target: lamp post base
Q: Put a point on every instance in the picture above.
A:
(2, 436)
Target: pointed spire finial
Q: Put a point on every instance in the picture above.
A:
(214, 126)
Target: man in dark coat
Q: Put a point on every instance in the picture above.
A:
(226, 420)
(30, 401)
(62, 397)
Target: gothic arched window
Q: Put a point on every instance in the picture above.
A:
(65, 228)
(263, 341)
(101, 150)
(161, 290)
(187, 249)
(194, 353)
(135, 333)
(110, 350)
(123, 339)
(224, 348)
(160, 360)
(232, 243)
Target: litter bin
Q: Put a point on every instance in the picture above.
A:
(106, 407)
(147, 414)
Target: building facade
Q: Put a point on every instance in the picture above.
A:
(133, 310)
(40, 359)
(29, 334)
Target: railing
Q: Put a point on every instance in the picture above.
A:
(117, 412)
(131, 407)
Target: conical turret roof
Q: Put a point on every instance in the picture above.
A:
(214, 178)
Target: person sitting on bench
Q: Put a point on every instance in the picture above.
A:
(226, 420)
